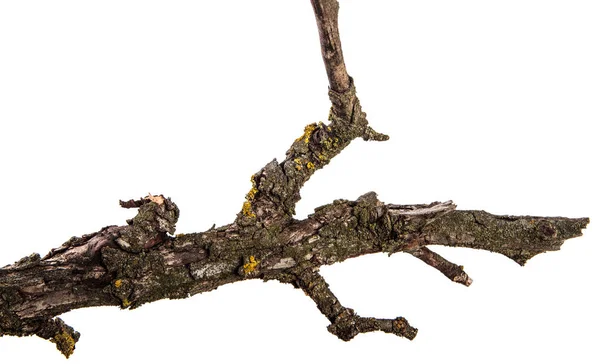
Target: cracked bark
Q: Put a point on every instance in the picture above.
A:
(142, 261)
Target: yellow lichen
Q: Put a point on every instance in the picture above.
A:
(65, 343)
(247, 209)
(251, 265)
(253, 181)
(126, 303)
(307, 133)
(310, 165)
(298, 162)
(330, 143)
(321, 157)
(250, 195)
(118, 283)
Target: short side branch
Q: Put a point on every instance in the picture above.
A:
(345, 324)
(452, 271)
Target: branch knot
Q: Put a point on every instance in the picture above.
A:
(156, 217)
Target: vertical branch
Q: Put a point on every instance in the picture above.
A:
(326, 12)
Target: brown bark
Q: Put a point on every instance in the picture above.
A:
(326, 13)
(143, 261)
(103, 269)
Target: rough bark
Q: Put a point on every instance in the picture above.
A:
(143, 261)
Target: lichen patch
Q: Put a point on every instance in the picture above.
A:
(65, 343)
(247, 209)
(308, 130)
(251, 265)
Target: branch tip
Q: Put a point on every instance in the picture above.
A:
(62, 335)
(452, 271)
(371, 134)
(345, 323)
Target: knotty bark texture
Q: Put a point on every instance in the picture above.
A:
(143, 261)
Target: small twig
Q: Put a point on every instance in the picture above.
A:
(345, 324)
(452, 271)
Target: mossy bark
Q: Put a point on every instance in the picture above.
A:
(143, 261)
(97, 270)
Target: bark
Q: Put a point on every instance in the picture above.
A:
(326, 12)
(143, 261)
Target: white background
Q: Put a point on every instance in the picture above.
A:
(493, 104)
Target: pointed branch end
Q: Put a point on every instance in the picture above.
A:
(371, 134)
(455, 273)
(462, 278)
(61, 334)
(551, 233)
(402, 328)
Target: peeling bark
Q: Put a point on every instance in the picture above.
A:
(143, 261)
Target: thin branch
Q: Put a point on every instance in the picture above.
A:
(326, 13)
(276, 187)
(345, 323)
(454, 272)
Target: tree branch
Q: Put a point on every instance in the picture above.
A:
(276, 187)
(326, 13)
(346, 324)
(128, 265)
(142, 261)
(454, 272)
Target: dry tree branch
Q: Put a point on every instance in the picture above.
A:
(143, 261)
